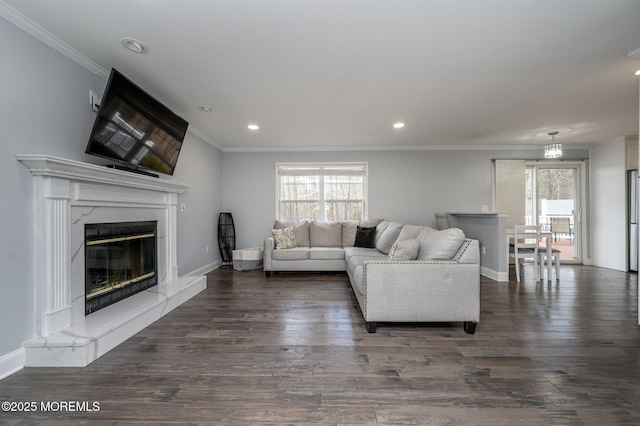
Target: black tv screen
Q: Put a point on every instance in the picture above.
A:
(135, 129)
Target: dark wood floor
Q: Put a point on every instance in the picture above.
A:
(293, 349)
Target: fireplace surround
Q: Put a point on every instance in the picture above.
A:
(67, 196)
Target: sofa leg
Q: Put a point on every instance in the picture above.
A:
(371, 327)
(267, 273)
(470, 327)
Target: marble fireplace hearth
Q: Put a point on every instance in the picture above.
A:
(67, 195)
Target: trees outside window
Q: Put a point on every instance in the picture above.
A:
(321, 191)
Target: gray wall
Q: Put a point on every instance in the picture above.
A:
(199, 165)
(44, 109)
(407, 186)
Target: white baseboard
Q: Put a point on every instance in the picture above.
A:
(494, 275)
(206, 268)
(11, 363)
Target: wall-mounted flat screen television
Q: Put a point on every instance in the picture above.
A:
(135, 129)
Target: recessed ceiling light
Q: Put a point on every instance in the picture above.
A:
(134, 45)
(253, 127)
(637, 72)
(398, 125)
(205, 108)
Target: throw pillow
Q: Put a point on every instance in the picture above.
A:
(301, 229)
(349, 230)
(404, 250)
(440, 245)
(285, 238)
(365, 237)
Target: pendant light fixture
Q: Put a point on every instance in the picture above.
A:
(553, 149)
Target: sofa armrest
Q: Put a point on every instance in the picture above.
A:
(469, 252)
(421, 291)
(269, 246)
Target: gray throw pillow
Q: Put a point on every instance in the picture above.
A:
(404, 250)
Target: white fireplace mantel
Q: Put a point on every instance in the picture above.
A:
(67, 195)
(47, 165)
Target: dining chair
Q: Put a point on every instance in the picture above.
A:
(526, 244)
(554, 258)
(561, 225)
(442, 221)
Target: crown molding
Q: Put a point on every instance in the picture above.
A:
(394, 148)
(30, 27)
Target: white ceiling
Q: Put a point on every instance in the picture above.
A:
(336, 74)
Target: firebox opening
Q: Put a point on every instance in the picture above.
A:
(120, 261)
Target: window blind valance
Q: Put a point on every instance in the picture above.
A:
(347, 169)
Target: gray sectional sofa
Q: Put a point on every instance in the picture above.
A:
(405, 273)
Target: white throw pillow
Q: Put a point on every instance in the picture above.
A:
(404, 250)
(285, 238)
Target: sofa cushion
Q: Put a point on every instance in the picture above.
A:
(298, 253)
(325, 234)
(380, 228)
(358, 278)
(404, 250)
(357, 260)
(349, 233)
(388, 237)
(301, 229)
(371, 253)
(440, 245)
(326, 253)
(355, 266)
(365, 237)
(285, 238)
(411, 232)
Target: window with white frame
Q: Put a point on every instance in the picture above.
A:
(321, 191)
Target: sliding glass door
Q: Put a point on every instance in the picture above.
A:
(553, 201)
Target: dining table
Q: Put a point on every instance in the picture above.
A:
(547, 235)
